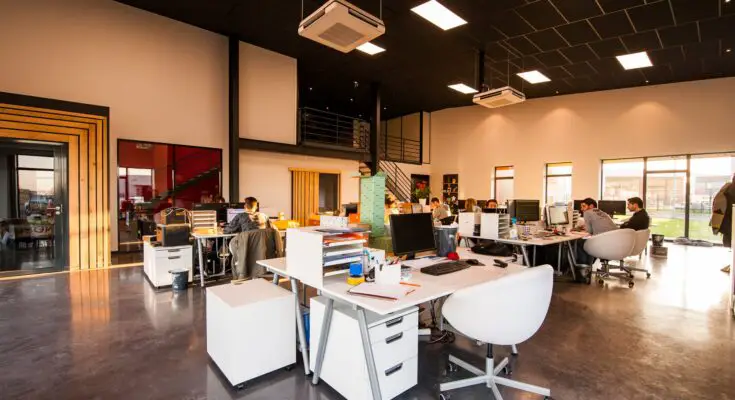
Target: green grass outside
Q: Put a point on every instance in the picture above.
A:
(674, 227)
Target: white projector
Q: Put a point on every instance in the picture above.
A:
(501, 97)
(341, 26)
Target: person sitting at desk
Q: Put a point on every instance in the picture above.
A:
(640, 219)
(471, 206)
(439, 211)
(596, 222)
(250, 220)
(492, 203)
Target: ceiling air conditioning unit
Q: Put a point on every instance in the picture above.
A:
(501, 97)
(341, 26)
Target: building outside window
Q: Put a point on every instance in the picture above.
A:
(558, 183)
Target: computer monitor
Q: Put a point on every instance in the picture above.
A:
(462, 204)
(525, 210)
(221, 209)
(350, 208)
(613, 207)
(412, 233)
(481, 203)
(557, 215)
(578, 205)
(233, 212)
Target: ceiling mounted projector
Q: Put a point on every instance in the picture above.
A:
(501, 97)
(341, 26)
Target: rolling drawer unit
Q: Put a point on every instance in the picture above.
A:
(157, 261)
(394, 341)
(495, 226)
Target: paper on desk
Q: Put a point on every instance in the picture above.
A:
(388, 292)
(423, 262)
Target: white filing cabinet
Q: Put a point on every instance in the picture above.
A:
(157, 261)
(394, 341)
(251, 329)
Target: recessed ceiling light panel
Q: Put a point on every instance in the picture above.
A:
(635, 60)
(462, 88)
(534, 77)
(370, 48)
(438, 15)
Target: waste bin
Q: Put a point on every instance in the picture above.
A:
(446, 240)
(180, 279)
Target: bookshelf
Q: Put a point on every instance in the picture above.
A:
(450, 191)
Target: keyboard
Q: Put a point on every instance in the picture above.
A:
(444, 268)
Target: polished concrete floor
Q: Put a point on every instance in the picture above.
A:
(108, 335)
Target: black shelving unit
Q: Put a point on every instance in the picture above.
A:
(450, 191)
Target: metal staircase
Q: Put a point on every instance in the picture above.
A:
(396, 181)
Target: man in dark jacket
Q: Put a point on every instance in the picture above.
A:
(640, 219)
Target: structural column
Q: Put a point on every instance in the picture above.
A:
(234, 119)
(375, 127)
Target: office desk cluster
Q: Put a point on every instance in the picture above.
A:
(385, 327)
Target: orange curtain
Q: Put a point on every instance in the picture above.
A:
(304, 195)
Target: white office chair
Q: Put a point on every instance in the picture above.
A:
(504, 312)
(611, 246)
(641, 242)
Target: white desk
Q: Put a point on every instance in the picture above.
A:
(565, 240)
(201, 239)
(432, 288)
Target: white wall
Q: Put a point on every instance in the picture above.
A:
(163, 80)
(268, 95)
(690, 117)
(266, 177)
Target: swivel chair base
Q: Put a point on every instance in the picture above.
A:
(488, 377)
(604, 272)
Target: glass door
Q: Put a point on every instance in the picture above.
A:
(33, 223)
(666, 194)
(708, 173)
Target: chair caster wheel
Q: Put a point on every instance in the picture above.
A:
(648, 275)
(452, 367)
(631, 284)
(443, 396)
(507, 371)
(600, 282)
(288, 368)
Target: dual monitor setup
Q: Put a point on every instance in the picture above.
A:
(226, 212)
(610, 207)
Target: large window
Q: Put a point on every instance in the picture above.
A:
(677, 190)
(558, 183)
(503, 184)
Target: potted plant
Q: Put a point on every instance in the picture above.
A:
(421, 192)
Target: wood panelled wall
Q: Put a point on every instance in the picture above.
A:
(88, 189)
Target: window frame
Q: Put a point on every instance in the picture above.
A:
(547, 176)
(502, 178)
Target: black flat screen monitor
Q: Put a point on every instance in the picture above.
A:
(578, 205)
(412, 233)
(462, 204)
(613, 207)
(525, 210)
(350, 208)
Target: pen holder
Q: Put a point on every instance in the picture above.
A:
(388, 274)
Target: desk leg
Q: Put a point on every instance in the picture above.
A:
(526, 260)
(558, 260)
(369, 359)
(201, 262)
(535, 250)
(572, 260)
(322, 347)
(300, 326)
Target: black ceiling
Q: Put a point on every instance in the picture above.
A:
(573, 42)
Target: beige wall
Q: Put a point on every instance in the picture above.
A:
(268, 95)
(266, 177)
(689, 117)
(163, 80)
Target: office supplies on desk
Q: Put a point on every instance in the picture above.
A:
(444, 268)
(388, 292)
(388, 274)
(501, 264)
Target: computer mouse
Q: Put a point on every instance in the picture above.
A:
(472, 261)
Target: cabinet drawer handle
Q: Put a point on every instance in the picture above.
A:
(174, 258)
(174, 251)
(394, 322)
(393, 338)
(393, 370)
